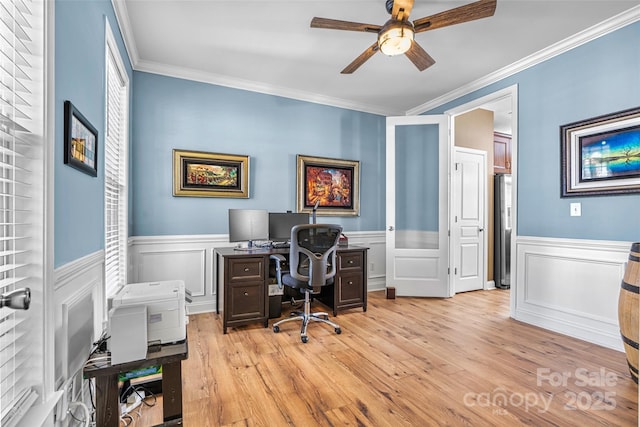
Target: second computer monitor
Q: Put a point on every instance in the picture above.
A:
(280, 224)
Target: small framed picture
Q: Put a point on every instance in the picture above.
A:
(80, 141)
(601, 156)
(201, 174)
(333, 185)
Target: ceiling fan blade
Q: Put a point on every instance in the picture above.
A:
(420, 58)
(469, 12)
(335, 24)
(371, 50)
(401, 9)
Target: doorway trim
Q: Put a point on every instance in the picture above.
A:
(508, 92)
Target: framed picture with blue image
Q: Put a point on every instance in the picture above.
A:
(601, 156)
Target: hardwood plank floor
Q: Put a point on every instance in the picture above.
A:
(405, 362)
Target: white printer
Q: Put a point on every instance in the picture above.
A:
(165, 302)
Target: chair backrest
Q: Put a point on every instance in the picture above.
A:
(312, 252)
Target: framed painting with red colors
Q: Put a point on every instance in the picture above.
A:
(331, 184)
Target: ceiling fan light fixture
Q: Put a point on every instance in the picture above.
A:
(395, 38)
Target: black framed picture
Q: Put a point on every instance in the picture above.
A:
(80, 141)
(601, 156)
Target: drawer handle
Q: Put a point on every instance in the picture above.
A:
(246, 294)
(350, 261)
(246, 269)
(349, 282)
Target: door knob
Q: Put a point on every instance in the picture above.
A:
(480, 229)
(391, 228)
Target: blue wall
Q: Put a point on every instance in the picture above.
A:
(597, 78)
(80, 78)
(170, 113)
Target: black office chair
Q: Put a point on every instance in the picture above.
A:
(312, 264)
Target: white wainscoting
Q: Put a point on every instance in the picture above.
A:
(566, 285)
(190, 258)
(80, 277)
(570, 286)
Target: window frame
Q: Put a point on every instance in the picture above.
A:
(120, 223)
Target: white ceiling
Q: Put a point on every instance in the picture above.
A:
(268, 46)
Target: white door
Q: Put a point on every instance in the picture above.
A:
(417, 206)
(469, 188)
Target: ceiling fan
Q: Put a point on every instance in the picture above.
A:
(396, 36)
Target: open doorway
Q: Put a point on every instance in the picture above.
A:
(500, 109)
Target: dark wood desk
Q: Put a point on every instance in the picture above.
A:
(243, 278)
(169, 356)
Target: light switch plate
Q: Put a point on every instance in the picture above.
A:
(576, 209)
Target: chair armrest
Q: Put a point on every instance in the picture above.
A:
(279, 259)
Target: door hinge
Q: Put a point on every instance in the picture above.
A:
(448, 271)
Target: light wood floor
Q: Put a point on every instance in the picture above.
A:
(405, 362)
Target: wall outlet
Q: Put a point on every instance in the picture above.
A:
(576, 209)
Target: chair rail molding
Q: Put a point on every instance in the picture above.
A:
(190, 258)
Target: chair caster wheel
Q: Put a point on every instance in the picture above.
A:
(276, 329)
(304, 339)
(338, 331)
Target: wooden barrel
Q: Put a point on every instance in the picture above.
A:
(628, 309)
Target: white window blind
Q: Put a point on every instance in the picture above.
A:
(116, 177)
(21, 202)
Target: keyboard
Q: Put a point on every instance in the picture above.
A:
(280, 245)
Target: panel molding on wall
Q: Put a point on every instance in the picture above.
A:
(80, 277)
(190, 258)
(160, 265)
(571, 286)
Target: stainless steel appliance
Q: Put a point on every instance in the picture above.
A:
(502, 231)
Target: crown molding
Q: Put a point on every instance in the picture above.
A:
(124, 24)
(122, 16)
(625, 18)
(614, 23)
(253, 86)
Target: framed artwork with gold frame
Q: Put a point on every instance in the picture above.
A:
(332, 184)
(202, 174)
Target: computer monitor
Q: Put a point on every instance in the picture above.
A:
(280, 224)
(248, 225)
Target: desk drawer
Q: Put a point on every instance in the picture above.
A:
(246, 269)
(246, 301)
(348, 260)
(350, 289)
